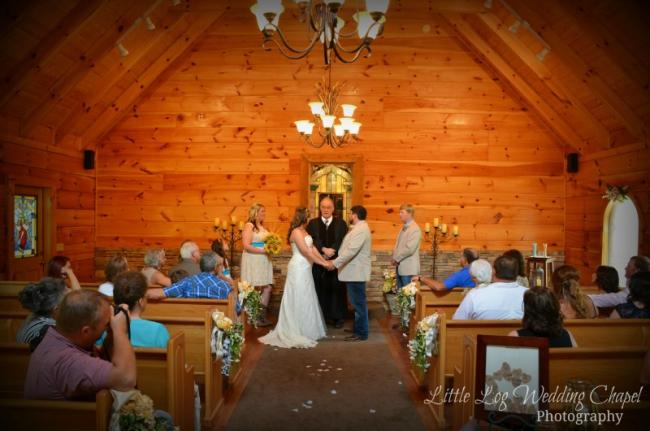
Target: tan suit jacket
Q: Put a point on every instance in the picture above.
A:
(353, 261)
(407, 249)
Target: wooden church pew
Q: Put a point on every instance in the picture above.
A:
(594, 333)
(29, 415)
(611, 365)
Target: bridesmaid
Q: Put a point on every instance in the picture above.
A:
(256, 267)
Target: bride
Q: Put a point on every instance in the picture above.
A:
(300, 322)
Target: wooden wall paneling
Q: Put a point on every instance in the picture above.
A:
(587, 74)
(87, 58)
(47, 49)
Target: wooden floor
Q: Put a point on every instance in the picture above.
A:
(396, 346)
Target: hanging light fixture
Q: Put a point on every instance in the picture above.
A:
(325, 112)
(324, 26)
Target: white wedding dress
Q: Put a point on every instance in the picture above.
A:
(301, 321)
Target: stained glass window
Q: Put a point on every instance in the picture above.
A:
(25, 225)
(334, 181)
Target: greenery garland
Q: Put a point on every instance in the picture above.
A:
(425, 342)
(406, 303)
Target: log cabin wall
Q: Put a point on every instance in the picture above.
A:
(439, 131)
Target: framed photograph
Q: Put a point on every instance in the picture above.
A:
(511, 373)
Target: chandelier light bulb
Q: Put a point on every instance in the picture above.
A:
(328, 121)
(354, 128)
(380, 6)
(316, 108)
(348, 109)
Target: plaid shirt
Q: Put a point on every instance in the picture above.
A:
(201, 285)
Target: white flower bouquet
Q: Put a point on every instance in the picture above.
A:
(406, 303)
(250, 300)
(425, 342)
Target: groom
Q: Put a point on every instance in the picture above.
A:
(327, 232)
(353, 264)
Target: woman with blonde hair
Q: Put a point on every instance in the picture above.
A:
(256, 266)
(574, 303)
(153, 261)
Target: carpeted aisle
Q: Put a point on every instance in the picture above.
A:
(335, 386)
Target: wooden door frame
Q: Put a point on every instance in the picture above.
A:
(354, 160)
(48, 234)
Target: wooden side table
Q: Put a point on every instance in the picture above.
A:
(533, 264)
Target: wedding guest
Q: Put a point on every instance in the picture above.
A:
(500, 300)
(41, 298)
(638, 303)
(481, 272)
(542, 318)
(327, 232)
(461, 278)
(153, 262)
(219, 246)
(205, 284)
(130, 289)
(574, 303)
(189, 255)
(256, 266)
(62, 366)
(354, 267)
(115, 266)
(607, 300)
(406, 253)
(177, 275)
(60, 267)
(606, 279)
(521, 265)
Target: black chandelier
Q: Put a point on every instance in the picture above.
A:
(324, 26)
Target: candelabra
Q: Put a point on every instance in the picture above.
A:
(229, 231)
(439, 236)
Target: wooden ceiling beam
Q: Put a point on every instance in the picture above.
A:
(47, 48)
(86, 61)
(575, 65)
(199, 22)
(484, 52)
(167, 22)
(570, 105)
(458, 6)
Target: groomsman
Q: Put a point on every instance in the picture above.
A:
(353, 264)
(406, 253)
(328, 232)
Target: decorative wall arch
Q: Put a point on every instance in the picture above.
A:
(621, 224)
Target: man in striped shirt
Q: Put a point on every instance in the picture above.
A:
(205, 284)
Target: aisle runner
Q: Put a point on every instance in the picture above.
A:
(336, 386)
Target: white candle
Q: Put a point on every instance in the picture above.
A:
(455, 230)
(444, 228)
(427, 227)
(436, 222)
(217, 222)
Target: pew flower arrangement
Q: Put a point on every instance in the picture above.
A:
(227, 340)
(272, 244)
(425, 342)
(406, 303)
(137, 414)
(390, 281)
(250, 300)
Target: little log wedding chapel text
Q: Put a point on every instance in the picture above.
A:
(336, 214)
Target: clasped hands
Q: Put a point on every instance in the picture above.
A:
(329, 265)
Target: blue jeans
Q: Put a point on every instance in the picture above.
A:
(403, 280)
(357, 296)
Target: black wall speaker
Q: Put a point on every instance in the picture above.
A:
(89, 159)
(572, 163)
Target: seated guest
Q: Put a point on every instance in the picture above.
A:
(60, 267)
(521, 273)
(62, 366)
(606, 279)
(542, 318)
(500, 300)
(205, 284)
(115, 266)
(481, 272)
(130, 289)
(41, 299)
(460, 278)
(638, 303)
(574, 303)
(177, 275)
(219, 247)
(153, 261)
(189, 258)
(606, 300)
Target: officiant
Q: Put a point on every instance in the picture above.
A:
(327, 233)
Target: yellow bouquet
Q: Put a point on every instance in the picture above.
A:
(224, 323)
(272, 244)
